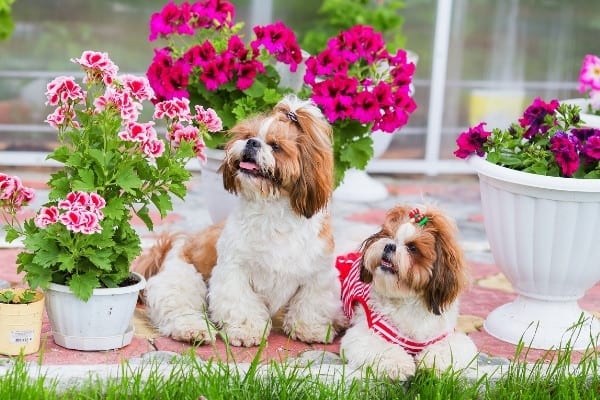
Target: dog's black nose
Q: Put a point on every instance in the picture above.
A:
(252, 143)
(389, 248)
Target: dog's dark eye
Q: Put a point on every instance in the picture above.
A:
(412, 248)
(275, 146)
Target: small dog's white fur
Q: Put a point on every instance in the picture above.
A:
(274, 253)
(416, 287)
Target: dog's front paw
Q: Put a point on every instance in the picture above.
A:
(246, 334)
(311, 334)
(394, 369)
(194, 329)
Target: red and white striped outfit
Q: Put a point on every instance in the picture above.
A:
(355, 291)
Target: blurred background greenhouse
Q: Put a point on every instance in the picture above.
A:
(477, 59)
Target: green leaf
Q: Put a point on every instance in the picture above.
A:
(60, 154)
(144, 214)
(86, 182)
(46, 254)
(36, 275)
(128, 180)
(11, 234)
(83, 285)
(595, 174)
(101, 258)
(114, 208)
(163, 203)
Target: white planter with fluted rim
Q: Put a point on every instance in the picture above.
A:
(101, 323)
(543, 233)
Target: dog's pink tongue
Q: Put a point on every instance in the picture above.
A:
(248, 165)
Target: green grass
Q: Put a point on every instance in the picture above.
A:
(552, 377)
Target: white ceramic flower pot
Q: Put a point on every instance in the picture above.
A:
(358, 185)
(101, 323)
(543, 233)
(219, 201)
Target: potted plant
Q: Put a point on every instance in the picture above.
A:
(80, 245)
(540, 193)
(352, 158)
(206, 59)
(21, 311)
(361, 87)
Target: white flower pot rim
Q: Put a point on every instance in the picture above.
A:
(541, 181)
(141, 284)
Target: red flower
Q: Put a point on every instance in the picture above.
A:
(471, 141)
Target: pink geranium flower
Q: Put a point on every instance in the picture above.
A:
(98, 66)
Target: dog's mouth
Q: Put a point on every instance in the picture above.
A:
(387, 266)
(250, 168)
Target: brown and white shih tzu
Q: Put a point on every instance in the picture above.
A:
(401, 292)
(273, 253)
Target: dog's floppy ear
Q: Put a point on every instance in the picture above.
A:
(228, 170)
(313, 190)
(365, 274)
(449, 276)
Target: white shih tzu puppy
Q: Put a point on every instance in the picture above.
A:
(274, 252)
(401, 292)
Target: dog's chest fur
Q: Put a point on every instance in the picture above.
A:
(277, 249)
(411, 317)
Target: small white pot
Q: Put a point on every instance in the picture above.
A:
(101, 323)
(543, 233)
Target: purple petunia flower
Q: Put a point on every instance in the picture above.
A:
(472, 141)
(534, 116)
(565, 148)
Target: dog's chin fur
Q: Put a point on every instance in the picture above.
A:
(274, 253)
(417, 274)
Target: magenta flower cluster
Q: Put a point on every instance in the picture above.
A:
(219, 60)
(78, 212)
(547, 135)
(356, 78)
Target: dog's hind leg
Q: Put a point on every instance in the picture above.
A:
(176, 299)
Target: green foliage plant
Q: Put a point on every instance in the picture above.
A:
(18, 296)
(113, 167)
(335, 16)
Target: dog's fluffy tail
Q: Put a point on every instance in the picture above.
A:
(150, 262)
